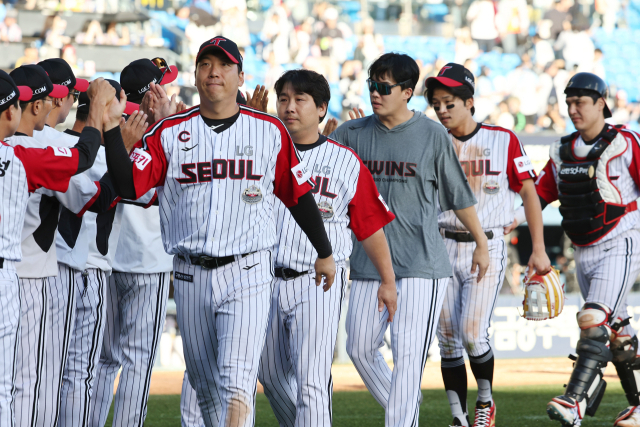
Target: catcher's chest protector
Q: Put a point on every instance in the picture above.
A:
(591, 206)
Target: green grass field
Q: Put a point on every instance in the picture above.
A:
(516, 407)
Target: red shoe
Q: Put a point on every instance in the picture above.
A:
(485, 414)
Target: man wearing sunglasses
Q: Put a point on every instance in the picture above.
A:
(415, 167)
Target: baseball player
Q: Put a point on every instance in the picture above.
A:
(219, 166)
(24, 170)
(497, 168)
(138, 288)
(414, 165)
(595, 174)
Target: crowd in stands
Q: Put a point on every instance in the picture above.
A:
(521, 52)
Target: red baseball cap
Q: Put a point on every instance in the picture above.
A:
(224, 44)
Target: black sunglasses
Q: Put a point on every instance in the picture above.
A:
(161, 63)
(76, 94)
(383, 88)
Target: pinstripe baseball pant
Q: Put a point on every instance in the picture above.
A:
(222, 315)
(190, 414)
(468, 305)
(136, 309)
(9, 340)
(84, 350)
(295, 367)
(412, 332)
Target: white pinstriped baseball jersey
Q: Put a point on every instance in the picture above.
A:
(41, 219)
(495, 164)
(347, 199)
(624, 173)
(216, 186)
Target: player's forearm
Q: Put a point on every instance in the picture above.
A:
(96, 112)
(107, 197)
(520, 214)
(119, 164)
(533, 214)
(469, 218)
(307, 215)
(378, 252)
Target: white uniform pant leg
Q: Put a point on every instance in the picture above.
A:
(412, 332)
(276, 372)
(84, 351)
(34, 294)
(223, 316)
(365, 336)
(110, 357)
(62, 311)
(190, 414)
(9, 340)
(449, 324)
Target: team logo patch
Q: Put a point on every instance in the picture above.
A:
(184, 136)
(62, 152)
(301, 173)
(491, 187)
(523, 164)
(182, 276)
(326, 210)
(252, 195)
(140, 158)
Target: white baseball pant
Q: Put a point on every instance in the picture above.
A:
(136, 309)
(412, 331)
(190, 414)
(222, 315)
(9, 339)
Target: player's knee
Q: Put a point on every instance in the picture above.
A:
(593, 321)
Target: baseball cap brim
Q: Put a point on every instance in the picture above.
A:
(210, 48)
(445, 81)
(170, 75)
(24, 93)
(81, 85)
(131, 108)
(59, 91)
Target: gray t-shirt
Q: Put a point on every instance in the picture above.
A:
(413, 164)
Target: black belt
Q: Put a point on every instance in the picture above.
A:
(288, 274)
(464, 237)
(211, 263)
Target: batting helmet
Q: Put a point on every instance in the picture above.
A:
(588, 81)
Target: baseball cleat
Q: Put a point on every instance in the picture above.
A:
(629, 417)
(485, 414)
(566, 410)
(457, 423)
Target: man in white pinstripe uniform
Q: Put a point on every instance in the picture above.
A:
(595, 174)
(497, 168)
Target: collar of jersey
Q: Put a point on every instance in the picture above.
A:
(471, 135)
(221, 125)
(72, 132)
(594, 140)
(304, 147)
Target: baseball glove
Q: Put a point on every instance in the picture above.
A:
(543, 295)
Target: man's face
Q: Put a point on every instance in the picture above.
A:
(46, 105)
(451, 110)
(217, 78)
(386, 105)
(583, 112)
(298, 111)
(67, 103)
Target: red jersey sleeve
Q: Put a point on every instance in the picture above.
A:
(634, 167)
(149, 161)
(546, 185)
(51, 167)
(519, 166)
(368, 212)
(292, 178)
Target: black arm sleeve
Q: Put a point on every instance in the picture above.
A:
(543, 203)
(106, 197)
(119, 164)
(308, 217)
(87, 146)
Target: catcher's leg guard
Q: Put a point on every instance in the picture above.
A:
(586, 385)
(624, 349)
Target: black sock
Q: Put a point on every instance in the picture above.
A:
(482, 368)
(454, 375)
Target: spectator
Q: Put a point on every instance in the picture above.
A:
(482, 22)
(91, 34)
(330, 36)
(556, 18)
(596, 67)
(30, 57)
(504, 117)
(278, 30)
(69, 55)
(519, 119)
(370, 44)
(542, 52)
(513, 23)
(54, 36)
(466, 47)
(9, 29)
(112, 37)
(303, 40)
(576, 46)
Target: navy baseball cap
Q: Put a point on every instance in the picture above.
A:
(61, 73)
(224, 44)
(84, 102)
(36, 78)
(9, 91)
(136, 78)
(454, 75)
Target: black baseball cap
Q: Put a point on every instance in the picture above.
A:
(136, 78)
(61, 73)
(9, 90)
(84, 102)
(36, 78)
(224, 44)
(454, 75)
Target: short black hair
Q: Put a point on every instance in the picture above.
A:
(583, 92)
(401, 67)
(463, 92)
(82, 116)
(309, 82)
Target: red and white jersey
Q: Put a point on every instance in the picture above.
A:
(495, 164)
(24, 170)
(347, 198)
(624, 175)
(41, 220)
(216, 187)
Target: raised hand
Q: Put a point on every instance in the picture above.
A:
(332, 124)
(356, 113)
(113, 111)
(133, 129)
(259, 100)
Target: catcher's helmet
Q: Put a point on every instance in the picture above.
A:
(588, 81)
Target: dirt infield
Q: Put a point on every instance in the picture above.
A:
(508, 372)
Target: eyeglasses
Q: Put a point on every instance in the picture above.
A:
(76, 94)
(162, 65)
(383, 88)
